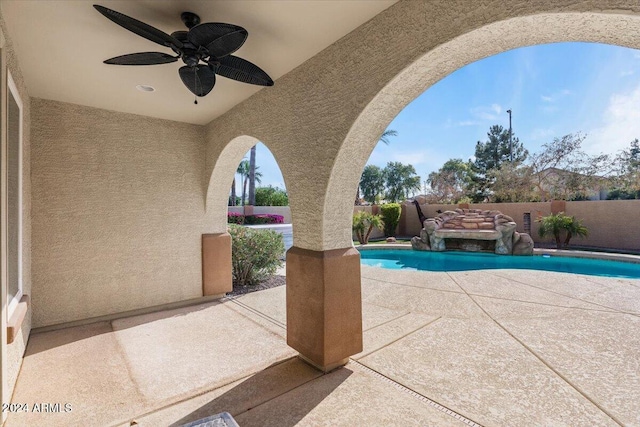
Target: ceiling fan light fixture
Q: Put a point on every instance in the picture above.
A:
(205, 49)
(145, 88)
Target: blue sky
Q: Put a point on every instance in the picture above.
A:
(552, 90)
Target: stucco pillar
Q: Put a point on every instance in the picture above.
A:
(217, 278)
(248, 210)
(558, 206)
(324, 305)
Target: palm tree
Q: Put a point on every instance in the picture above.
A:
(574, 227)
(363, 225)
(384, 138)
(243, 171)
(233, 198)
(252, 176)
(557, 224)
(244, 174)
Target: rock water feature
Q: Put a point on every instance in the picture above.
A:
(472, 230)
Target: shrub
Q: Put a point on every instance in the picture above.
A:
(263, 219)
(560, 224)
(271, 196)
(238, 218)
(363, 225)
(255, 254)
(235, 218)
(391, 217)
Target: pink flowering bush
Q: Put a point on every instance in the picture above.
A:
(255, 254)
(235, 218)
(238, 218)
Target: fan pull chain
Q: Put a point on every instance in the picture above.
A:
(197, 80)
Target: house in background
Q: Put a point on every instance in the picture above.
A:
(560, 184)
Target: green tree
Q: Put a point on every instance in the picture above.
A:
(626, 184)
(363, 225)
(271, 196)
(384, 138)
(451, 182)
(372, 183)
(512, 183)
(491, 155)
(562, 171)
(400, 181)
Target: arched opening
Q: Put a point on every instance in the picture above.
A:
(263, 204)
(437, 64)
(232, 197)
(424, 348)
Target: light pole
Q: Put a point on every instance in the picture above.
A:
(510, 139)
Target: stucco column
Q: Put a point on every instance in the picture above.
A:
(558, 206)
(217, 278)
(324, 305)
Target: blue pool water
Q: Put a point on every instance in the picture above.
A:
(462, 261)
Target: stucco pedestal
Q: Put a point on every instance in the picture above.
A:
(217, 278)
(324, 305)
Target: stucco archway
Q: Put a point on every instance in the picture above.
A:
(221, 179)
(324, 118)
(492, 39)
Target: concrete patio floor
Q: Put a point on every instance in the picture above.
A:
(491, 348)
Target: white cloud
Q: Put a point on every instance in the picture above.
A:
(468, 123)
(553, 97)
(548, 109)
(627, 73)
(621, 124)
(414, 157)
(541, 134)
(484, 112)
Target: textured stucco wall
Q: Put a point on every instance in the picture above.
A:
(322, 120)
(118, 211)
(15, 350)
(611, 223)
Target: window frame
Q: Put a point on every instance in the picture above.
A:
(12, 90)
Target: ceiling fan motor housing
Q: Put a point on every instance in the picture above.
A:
(190, 19)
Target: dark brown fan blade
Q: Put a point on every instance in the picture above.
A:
(199, 80)
(143, 58)
(140, 28)
(243, 71)
(220, 39)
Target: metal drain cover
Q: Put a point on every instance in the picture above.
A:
(223, 419)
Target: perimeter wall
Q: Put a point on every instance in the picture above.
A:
(613, 224)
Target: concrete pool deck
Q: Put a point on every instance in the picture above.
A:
(491, 348)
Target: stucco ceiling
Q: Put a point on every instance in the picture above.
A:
(61, 46)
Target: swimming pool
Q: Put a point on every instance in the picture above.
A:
(463, 261)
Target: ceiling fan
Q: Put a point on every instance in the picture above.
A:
(205, 49)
